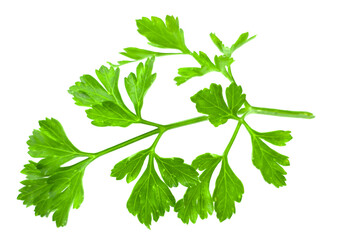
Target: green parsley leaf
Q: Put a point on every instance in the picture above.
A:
(108, 108)
(278, 138)
(235, 98)
(197, 200)
(90, 92)
(140, 54)
(110, 114)
(243, 39)
(137, 86)
(31, 171)
(221, 63)
(48, 186)
(150, 197)
(109, 78)
(267, 160)
(187, 73)
(228, 190)
(204, 61)
(56, 192)
(35, 186)
(211, 102)
(130, 167)
(161, 34)
(120, 63)
(225, 50)
(190, 72)
(51, 143)
(174, 170)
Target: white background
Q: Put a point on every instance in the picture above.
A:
(292, 64)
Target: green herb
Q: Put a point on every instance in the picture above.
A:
(53, 188)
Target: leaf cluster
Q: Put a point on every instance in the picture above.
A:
(48, 186)
(52, 187)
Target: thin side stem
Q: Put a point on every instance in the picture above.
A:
(249, 129)
(150, 123)
(230, 74)
(156, 141)
(125, 62)
(152, 149)
(232, 139)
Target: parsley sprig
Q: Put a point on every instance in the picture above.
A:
(52, 187)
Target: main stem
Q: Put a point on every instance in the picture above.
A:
(280, 113)
(123, 144)
(160, 130)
